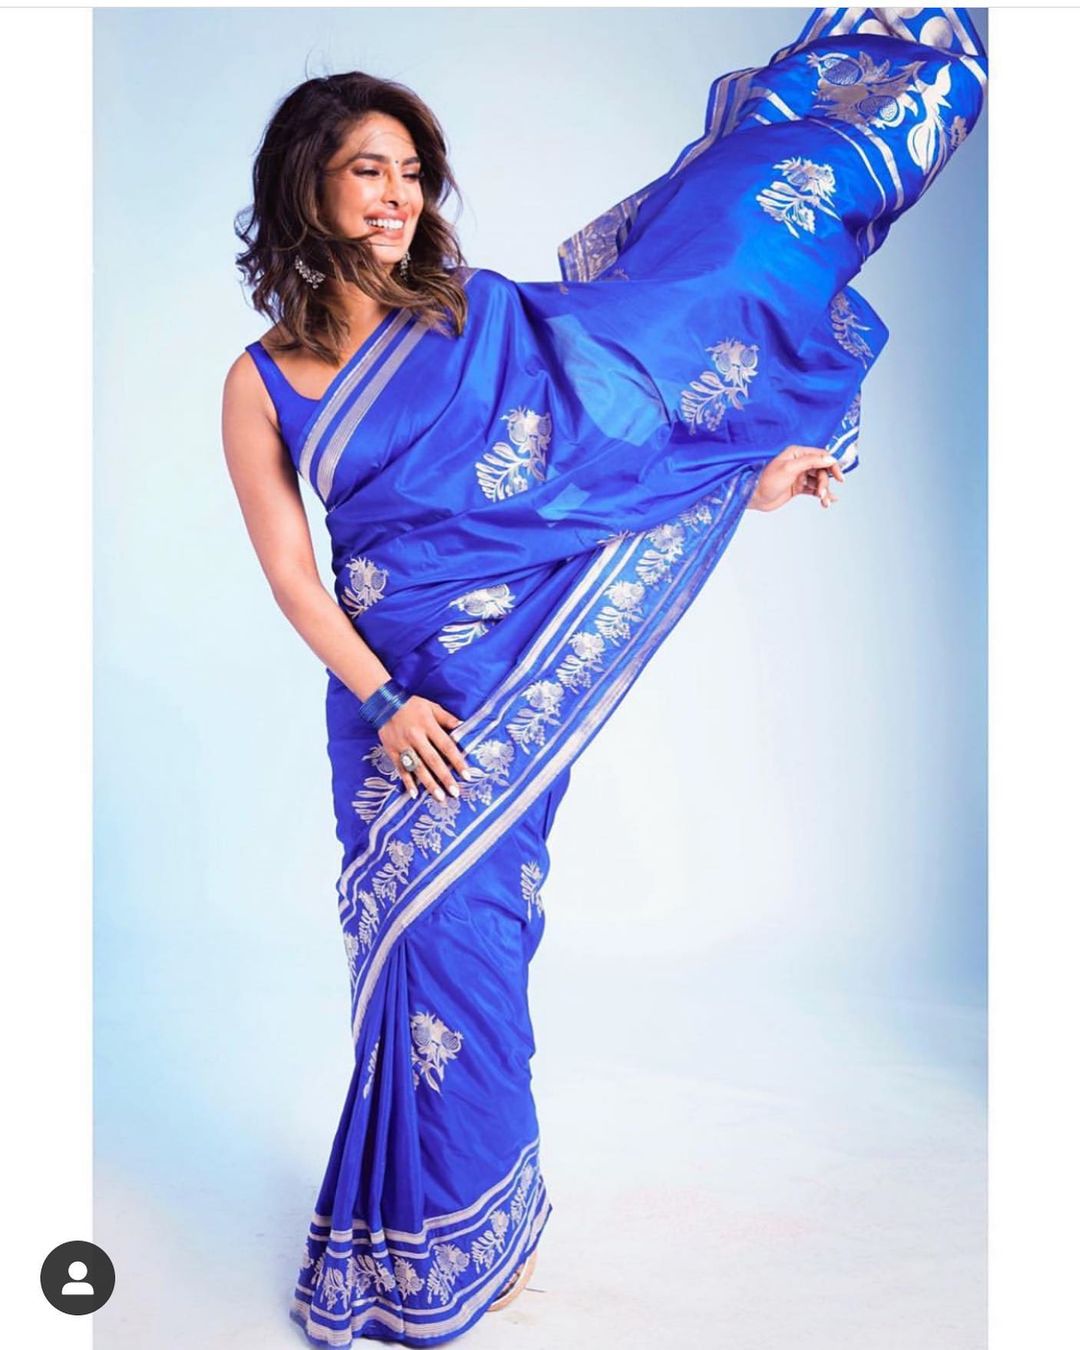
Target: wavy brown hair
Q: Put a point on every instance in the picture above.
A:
(286, 218)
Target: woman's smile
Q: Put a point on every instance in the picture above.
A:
(388, 225)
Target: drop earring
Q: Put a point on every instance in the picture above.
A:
(311, 275)
(403, 265)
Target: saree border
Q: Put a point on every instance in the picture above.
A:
(565, 740)
(365, 358)
(427, 1324)
(390, 347)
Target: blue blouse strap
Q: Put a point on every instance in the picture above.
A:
(277, 386)
(294, 410)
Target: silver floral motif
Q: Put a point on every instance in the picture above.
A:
(846, 328)
(521, 1191)
(366, 585)
(494, 756)
(436, 823)
(434, 1044)
(445, 1271)
(368, 919)
(486, 1247)
(531, 877)
(583, 662)
(485, 603)
(333, 1288)
(372, 796)
(340, 1283)
(491, 770)
(667, 547)
(507, 470)
(614, 620)
(352, 952)
(713, 392)
(393, 871)
(957, 131)
(406, 1277)
(854, 88)
(807, 187)
(365, 1272)
(527, 728)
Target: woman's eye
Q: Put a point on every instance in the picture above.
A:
(377, 173)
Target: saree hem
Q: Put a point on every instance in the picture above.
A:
(399, 1327)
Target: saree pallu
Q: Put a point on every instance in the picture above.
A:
(519, 515)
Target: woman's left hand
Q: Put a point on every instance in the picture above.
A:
(795, 471)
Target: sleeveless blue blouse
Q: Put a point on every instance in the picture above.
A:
(293, 409)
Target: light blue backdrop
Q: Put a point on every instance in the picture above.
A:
(828, 843)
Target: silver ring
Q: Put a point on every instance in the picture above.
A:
(408, 761)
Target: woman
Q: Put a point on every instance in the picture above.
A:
(526, 485)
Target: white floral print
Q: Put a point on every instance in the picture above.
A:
(531, 877)
(543, 699)
(487, 1246)
(583, 662)
(854, 88)
(366, 585)
(484, 604)
(806, 187)
(506, 469)
(433, 1046)
(445, 1271)
(707, 399)
(846, 328)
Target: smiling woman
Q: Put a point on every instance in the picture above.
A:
(526, 485)
(342, 161)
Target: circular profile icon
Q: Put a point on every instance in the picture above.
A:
(77, 1278)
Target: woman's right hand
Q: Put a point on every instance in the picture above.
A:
(423, 726)
(796, 470)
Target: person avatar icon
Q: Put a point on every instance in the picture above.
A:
(77, 1282)
(64, 1279)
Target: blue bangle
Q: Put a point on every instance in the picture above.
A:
(383, 703)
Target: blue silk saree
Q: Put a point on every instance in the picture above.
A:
(519, 515)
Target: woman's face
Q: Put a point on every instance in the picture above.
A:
(372, 186)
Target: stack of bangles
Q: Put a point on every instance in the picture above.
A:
(383, 703)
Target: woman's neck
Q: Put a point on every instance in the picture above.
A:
(361, 313)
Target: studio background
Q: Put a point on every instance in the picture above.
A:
(759, 1001)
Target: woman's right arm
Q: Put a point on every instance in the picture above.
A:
(268, 490)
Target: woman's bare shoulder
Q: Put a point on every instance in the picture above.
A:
(244, 388)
